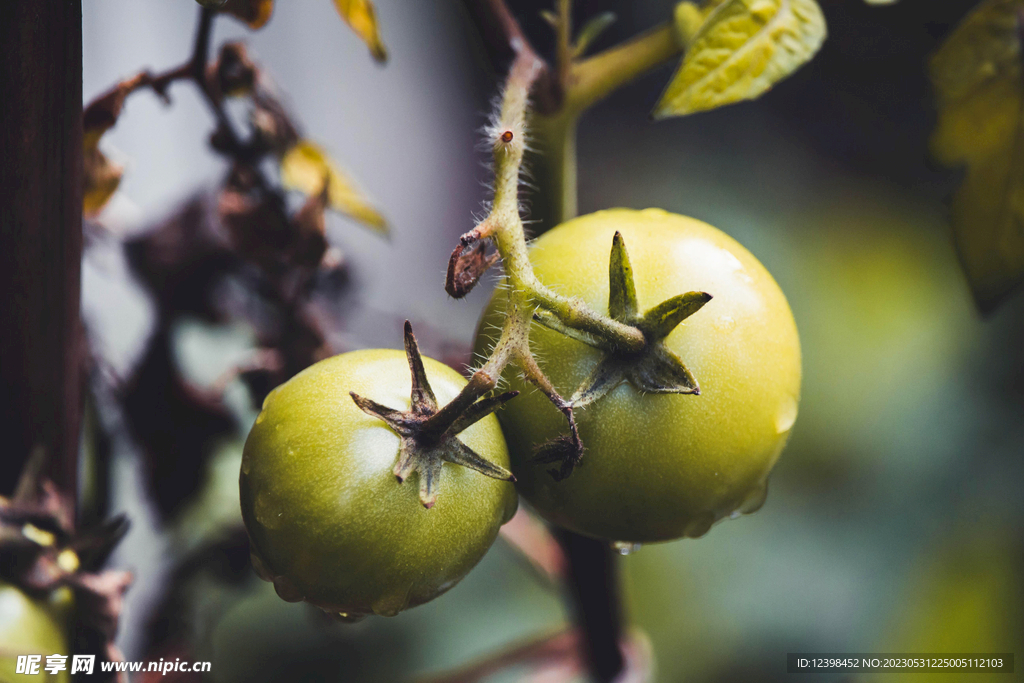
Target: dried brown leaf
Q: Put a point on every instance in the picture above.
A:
(255, 13)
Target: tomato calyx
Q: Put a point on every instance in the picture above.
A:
(41, 552)
(428, 432)
(654, 369)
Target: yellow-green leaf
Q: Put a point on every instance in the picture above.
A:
(362, 17)
(99, 180)
(979, 90)
(688, 20)
(710, 6)
(100, 177)
(305, 166)
(743, 48)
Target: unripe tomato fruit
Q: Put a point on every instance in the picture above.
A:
(33, 627)
(328, 521)
(659, 466)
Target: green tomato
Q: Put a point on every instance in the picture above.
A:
(329, 522)
(659, 466)
(33, 627)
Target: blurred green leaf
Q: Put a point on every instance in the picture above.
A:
(743, 49)
(688, 20)
(964, 598)
(979, 88)
(591, 31)
(362, 17)
(305, 166)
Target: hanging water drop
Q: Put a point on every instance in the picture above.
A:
(755, 500)
(625, 547)
(347, 617)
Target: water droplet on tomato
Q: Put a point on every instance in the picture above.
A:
(786, 416)
(348, 618)
(625, 547)
(260, 566)
(268, 513)
(286, 590)
(391, 604)
(755, 500)
(700, 525)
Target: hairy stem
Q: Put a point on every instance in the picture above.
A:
(559, 101)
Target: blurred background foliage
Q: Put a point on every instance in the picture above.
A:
(895, 516)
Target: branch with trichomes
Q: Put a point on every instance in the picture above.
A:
(526, 295)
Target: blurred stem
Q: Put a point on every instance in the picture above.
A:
(558, 104)
(563, 44)
(585, 83)
(554, 167)
(593, 577)
(596, 77)
(229, 142)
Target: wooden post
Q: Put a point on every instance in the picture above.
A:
(41, 340)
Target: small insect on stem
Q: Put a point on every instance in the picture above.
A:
(506, 137)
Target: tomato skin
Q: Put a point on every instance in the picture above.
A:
(326, 515)
(659, 466)
(33, 627)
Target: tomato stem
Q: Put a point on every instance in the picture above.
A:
(594, 579)
(560, 97)
(428, 434)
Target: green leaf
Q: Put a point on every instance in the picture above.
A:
(742, 50)
(305, 167)
(979, 89)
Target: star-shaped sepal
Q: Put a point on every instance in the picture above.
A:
(654, 369)
(428, 432)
